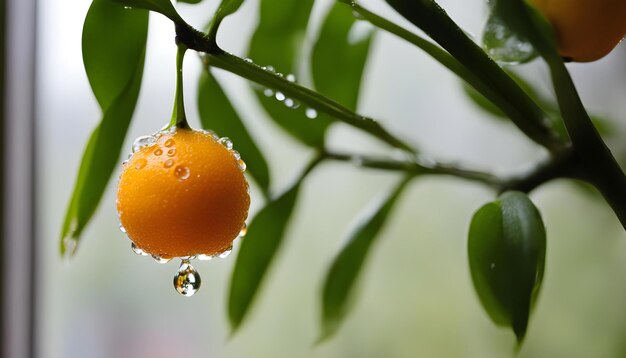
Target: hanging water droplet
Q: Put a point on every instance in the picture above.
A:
(122, 229)
(224, 254)
(141, 163)
(244, 230)
(310, 113)
(187, 280)
(158, 151)
(226, 142)
(168, 163)
(143, 141)
(268, 92)
(169, 142)
(70, 246)
(161, 260)
(280, 96)
(203, 257)
(137, 250)
(291, 77)
(171, 152)
(181, 172)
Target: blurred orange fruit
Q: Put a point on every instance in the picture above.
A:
(183, 194)
(586, 30)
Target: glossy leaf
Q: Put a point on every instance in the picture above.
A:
(163, 7)
(191, 1)
(265, 235)
(507, 248)
(278, 42)
(114, 42)
(217, 114)
(344, 272)
(504, 45)
(339, 55)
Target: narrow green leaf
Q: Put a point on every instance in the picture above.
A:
(190, 1)
(218, 114)
(228, 7)
(339, 55)
(344, 272)
(278, 42)
(506, 249)
(163, 7)
(265, 235)
(482, 102)
(107, 26)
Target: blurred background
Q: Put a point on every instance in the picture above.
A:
(415, 297)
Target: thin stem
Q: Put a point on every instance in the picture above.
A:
(417, 168)
(179, 118)
(311, 98)
(522, 110)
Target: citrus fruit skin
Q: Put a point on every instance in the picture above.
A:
(184, 195)
(586, 30)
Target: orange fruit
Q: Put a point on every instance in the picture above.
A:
(183, 194)
(586, 30)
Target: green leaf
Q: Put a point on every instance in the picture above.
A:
(344, 271)
(114, 44)
(278, 42)
(228, 7)
(218, 114)
(163, 7)
(265, 234)
(339, 55)
(507, 248)
(482, 102)
(190, 1)
(504, 45)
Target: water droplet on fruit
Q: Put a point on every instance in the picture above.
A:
(224, 254)
(158, 151)
(169, 142)
(310, 113)
(137, 250)
(143, 141)
(168, 163)
(242, 165)
(171, 152)
(141, 163)
(161, 260)
(187, 280)
(203, 257)
(236, 154)
(226, 142)
(244, 230)
(122, 229)
(181, 172)
(211, 134)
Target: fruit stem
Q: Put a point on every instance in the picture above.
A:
(179, 118)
